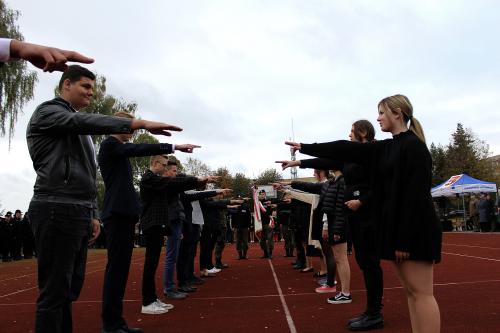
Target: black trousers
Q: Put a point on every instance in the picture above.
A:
(183, 256)
(61, 236)
(120, 243)
(207, 245)
(366, 254)
(195, 233)
(301, 251)
(154, 237)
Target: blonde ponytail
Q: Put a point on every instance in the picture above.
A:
(416, 128)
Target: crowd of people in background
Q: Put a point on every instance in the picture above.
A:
(16, 237)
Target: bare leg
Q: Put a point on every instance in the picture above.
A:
(417, 280)
(343, 269)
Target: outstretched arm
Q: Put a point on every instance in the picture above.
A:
(44, 57)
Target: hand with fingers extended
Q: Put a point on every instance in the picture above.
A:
(288, 164)
(237, 201)
(294, 146)
(208, 179)
(44, 57)
(154, 127)
(224, 191)
(186, 148)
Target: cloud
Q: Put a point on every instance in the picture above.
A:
(234, 74)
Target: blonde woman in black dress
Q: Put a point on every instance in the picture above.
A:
(408, 231)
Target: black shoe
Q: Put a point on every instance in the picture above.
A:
(221, 266)
(357, 318)
(196, 281)
(132, 329)
(367, 322)
(187, 289)
(294, 263)
(299, 266)
(125, 329)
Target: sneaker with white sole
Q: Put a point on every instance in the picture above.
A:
(340, 298)
(153, 308)
(325, 289)
(213, 271)
(164, 305)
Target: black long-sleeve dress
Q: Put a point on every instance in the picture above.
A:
(401, 181)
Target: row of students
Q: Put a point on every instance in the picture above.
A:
(393, 216)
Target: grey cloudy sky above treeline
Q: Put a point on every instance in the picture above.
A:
(234, 73)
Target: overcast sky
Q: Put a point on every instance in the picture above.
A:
(234, 73)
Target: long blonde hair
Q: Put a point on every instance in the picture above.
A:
(401, 104)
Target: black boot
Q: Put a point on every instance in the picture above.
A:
(265, 256)
(240, 255)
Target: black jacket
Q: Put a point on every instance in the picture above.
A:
(400, 178)
(120, 196)
(63, 153)
(154, 190)
(241, 216)
(212, 211)
(357, 183)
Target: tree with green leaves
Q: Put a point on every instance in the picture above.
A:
(241, 185)
(225, 180)
(268, 176)
(195, 167)
(466, 153)
(17, 83)
(438, 154)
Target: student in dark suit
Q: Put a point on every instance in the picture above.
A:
(120, 213)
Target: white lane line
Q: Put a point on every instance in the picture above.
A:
(289, 319)
(265, 296)
(31, 274)
(87, 273)
(467, 256)
(474, 246)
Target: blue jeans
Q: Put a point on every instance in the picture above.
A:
(173, 243)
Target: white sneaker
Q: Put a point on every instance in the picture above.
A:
(164, 305)
(153, 308)
(213, 271)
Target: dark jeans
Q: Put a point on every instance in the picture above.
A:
(61, 236)
(364, 242)
(154, 238)
(172, 253)
(120, 243)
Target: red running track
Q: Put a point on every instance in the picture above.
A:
(259, 295)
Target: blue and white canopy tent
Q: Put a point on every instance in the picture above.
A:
(460, 185)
